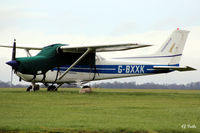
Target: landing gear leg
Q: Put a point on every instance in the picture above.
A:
(33, 87)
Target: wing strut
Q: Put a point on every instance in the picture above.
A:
(27, 52)
(75, 63)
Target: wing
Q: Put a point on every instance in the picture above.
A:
(97, 48)
(103, 48)
(26, 48)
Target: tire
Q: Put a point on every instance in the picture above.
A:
(29, 88)
(36, 88)
(52, 88)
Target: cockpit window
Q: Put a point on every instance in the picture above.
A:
(52, 45)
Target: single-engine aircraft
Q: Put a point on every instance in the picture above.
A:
(57, 64)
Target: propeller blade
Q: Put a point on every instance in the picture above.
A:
(14, 50)
(11, 80)
(13, 63)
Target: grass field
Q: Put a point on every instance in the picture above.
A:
(104, 110)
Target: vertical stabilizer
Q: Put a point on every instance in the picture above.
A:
(171, 50)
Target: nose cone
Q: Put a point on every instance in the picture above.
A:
(14, 64)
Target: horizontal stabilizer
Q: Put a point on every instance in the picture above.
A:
(176, 68)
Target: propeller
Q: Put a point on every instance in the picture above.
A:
(13, 63)
(14, 50)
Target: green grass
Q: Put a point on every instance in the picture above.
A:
(104, 110)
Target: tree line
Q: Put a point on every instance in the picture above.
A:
(119, 85)
(133, 85)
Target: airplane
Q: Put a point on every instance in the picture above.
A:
(57, 64)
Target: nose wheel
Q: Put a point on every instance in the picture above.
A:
(34, 87)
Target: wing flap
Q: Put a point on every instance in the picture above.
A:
(103, 48)
(181, 69)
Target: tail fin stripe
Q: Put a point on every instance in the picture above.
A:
(166, 45)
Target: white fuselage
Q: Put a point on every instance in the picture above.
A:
(104, 69)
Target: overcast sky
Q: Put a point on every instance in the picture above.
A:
(42, 22)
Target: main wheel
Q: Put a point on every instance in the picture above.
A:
(52, 88)
(36, 87)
